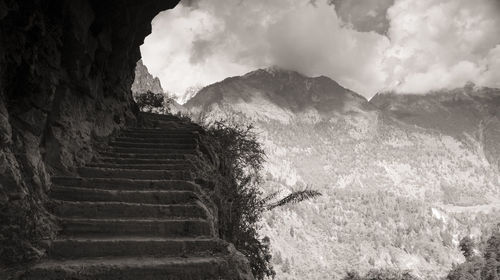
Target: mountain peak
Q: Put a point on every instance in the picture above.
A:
(275, 89)
(274, 71)
(144, 81)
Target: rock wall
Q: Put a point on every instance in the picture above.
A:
(66, 67)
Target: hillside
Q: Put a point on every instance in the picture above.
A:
(395, 194)
(470, 111)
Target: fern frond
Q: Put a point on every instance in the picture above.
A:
(295, 197)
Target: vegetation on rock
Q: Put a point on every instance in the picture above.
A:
(239, 201)
(153, 102)
(237, 194)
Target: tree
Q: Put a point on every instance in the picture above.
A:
(491, 269)
(352, 275)
(467, 247)
(485, 267)
(380, 274)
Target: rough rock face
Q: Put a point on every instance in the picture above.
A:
(65, 76)
(144, 81)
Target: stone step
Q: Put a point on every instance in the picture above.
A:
(121, 210)
(144, 227)
(125, 184)
(170, 268)
(156, 140)
(74, 248)
(154, 116)
(157, 135)
(151, 151)
(174, 131)
(133, 196)
(163, 156)
(119, 160)
(183, 166)
(97, 172)
(152, 145)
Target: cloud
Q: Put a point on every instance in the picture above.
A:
(364, 15)
(442, 44)
(313, 41)
(368, 46)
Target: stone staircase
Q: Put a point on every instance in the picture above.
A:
(135, 213)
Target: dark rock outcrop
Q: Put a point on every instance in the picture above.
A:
(66, 68)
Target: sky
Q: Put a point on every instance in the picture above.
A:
(368, 46)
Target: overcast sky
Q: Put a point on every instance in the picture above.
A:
(365, 45)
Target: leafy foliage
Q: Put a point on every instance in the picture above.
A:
(295, 197)
(467, 247)
(239, 200)
(486, 267)
(380, 274)
(153, 102)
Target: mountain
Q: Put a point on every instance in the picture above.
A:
(396, 192)
(281, 95)
(144, 81)
(470, 111)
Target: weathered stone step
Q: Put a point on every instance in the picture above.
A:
(118, 160)
(153, 145)
(143, 156)
(170, 268)
(134, 196)
(133, 246)
(97, 172)
(157, 135)
(185, 140)
(107, 210)
(154, 116)
(125, 184)
(183, 166)
(175, 131)
(153, 151)
(144, 227)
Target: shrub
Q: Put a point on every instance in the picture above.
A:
(239, 200)
(153, 102)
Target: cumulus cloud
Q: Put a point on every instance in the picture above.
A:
(368, 46)
(364, 15)
(442, 44)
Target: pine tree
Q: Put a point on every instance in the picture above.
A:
(467, 247)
